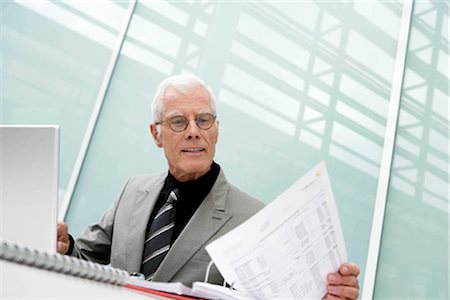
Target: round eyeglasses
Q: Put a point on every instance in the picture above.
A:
(180, 123)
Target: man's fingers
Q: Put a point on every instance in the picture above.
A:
(62, 227)
(344, 283)
(62, 247)
(63, 238)
(349, 269)
(338, 279)
(63, 234)
(328, 296)
(346, 292)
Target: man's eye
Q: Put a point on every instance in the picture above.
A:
(202, 120)
(178, 122)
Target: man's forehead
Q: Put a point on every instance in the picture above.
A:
(180, 112)
(196, 90)
(194, 102)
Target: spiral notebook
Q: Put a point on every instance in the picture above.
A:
(63, 264)
(35, 257)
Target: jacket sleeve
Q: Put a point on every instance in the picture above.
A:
(94, 244)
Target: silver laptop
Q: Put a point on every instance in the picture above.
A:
(29, 169)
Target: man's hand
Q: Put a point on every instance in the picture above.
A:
(344, 283)
(63, 238)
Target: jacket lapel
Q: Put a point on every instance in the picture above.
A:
(205, 222)
(140, 214)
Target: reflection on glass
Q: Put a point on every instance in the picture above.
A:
(77, 20)
(164, 37)
(55, 55)
(294, 82)
(414, 250)
(304, 81)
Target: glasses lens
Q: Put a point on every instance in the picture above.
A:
(205, 121)
(178, 123)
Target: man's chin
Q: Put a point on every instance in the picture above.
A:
(192, 171)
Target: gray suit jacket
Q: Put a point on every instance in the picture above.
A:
(118, 238)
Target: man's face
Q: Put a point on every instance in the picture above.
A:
(189, 153)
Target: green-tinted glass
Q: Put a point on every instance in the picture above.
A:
(295, 83)
(414, 250)
(54, 55)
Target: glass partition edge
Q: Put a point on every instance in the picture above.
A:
(388, 150)
(95, 113)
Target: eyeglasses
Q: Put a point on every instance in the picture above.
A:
(180, 123)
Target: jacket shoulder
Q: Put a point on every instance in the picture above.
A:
(242, 203)
(145, 181)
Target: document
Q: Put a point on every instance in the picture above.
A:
(287, 249)
(176, 290)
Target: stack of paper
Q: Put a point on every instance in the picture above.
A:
(199, 289)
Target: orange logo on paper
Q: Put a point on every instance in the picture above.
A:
(318, 173)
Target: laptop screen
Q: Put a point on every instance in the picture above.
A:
(29, 169)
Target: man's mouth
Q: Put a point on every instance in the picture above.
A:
(193, 150)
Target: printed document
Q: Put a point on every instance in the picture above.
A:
(287, 249)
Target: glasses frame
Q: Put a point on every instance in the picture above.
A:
(197, 117)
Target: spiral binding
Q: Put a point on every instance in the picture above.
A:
(64, 264)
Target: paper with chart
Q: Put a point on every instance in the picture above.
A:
(287, 249)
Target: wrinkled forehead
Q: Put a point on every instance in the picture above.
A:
(196, 91)
(195, 101)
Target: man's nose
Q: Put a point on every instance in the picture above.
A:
(192, 130)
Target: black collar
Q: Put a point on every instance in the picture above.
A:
(194, 190)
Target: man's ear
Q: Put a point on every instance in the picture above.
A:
(217, 135)
(156, 135)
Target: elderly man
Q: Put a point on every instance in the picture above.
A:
(160, 224)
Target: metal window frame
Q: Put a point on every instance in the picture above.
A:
(388, 153)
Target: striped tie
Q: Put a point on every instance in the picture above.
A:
(159, 237)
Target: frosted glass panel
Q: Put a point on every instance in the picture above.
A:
(122, 137)
(295, 84)
(414, 251)
(54, 56)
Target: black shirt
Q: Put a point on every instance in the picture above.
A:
(190, 196)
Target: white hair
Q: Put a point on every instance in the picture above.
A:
(183, 83)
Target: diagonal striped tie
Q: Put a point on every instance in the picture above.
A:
(159, 237)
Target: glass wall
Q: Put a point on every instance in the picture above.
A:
(54, 56)
(414, 251)
(295, 82)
